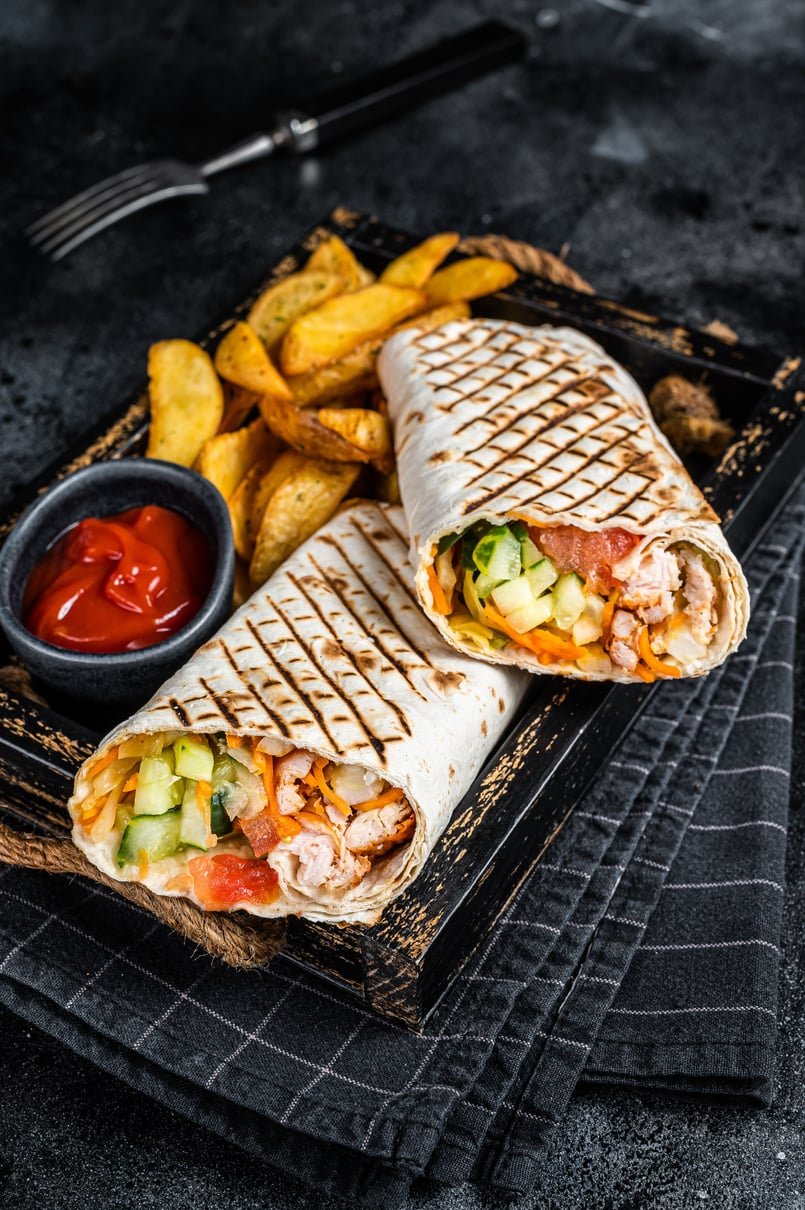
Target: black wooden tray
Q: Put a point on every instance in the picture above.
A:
(401, 966)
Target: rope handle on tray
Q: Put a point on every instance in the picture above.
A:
(240, 941)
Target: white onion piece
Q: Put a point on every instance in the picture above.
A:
(355, 784)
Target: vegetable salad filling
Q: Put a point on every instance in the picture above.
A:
(568, 594)
(228, 807)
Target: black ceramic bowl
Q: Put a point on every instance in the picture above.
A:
(102, 490)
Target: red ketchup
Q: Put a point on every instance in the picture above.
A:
(112, 584)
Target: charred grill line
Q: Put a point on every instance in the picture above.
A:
(275, 718)
(473, 369)
(515, 390)
(348, 654)
(576, 472)
(515, 420)
(180, 712)
(222, 709)
(388, 516)
(377, 743)
(394, 571)
(289, 679)
(572, 409)
(390, 625)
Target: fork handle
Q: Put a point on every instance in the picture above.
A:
(381, 94)
(399, 86)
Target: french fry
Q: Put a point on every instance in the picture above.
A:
(334, 256)
(303, 430)
(414, 267)
(277, 473)
(364, 429)
(238, 402)
(226, 458)
(303, 502)
(241, 358)
(356, 371)
(278, 306)
(470, 278)
(342, 324)
(241, 508)
(187, 400)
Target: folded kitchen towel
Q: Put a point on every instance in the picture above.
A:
(642, 951)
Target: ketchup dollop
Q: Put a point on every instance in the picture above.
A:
(119, 583)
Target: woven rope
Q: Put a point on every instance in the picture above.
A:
(239, 940)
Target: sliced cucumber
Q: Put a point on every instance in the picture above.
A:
(568, 600)
(497, 554)
(220, 823)
(193, 758)
(534, 614)
(530, 554)
(484, 585)
(155, 835)
(194, 828)
(513, 595)
(158, 787)
(541, 576)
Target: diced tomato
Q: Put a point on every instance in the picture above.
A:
(222, 881)
(590, 554)
(260, 832)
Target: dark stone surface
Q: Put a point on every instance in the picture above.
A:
(666, 152)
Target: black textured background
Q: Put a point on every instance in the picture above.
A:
(666, 151)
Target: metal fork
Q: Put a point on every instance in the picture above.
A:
(84, 215)
(379, 95)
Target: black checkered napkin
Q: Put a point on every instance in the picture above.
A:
(641, 951)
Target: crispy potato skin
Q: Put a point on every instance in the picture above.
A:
(187, 400)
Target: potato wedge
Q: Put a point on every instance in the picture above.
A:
(241, 358)
(226, 458)
(416, 265)
(334, 256)
(364, 429)
(356, 371)
(288, 462)
(241, 505)
(278, 306)
(388, 488)
(470, 278)
(302, 430)
(303, 502)
(187, 400)
(238, 402)
(340, 325)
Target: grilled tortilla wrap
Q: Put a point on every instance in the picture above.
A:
(308, 757)
(552, 525)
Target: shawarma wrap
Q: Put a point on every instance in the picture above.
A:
(308, 757)
(552, 525)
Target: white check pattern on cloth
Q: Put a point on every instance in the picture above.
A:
(602, 923)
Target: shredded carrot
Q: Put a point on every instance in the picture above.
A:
(142, 865)
(606, 618)
(546, 659)
(309, 780)
(203, 792)
(90, 813)
(334, 798)
(320, 822)
(131, 782)
(287, 826)
(234, 741)
(645, 674)
(539, 641)
(650, 659)
(440, 601)
(102, 762)
(381, 800)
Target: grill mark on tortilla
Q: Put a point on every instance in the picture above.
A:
(275, 718)
(597, 489)
(388, 516)
(180, 712)
(489, 440)
(448, 405)
(571, 410)
(515, 390)
(375, 741)
(348, 654)
(617, 512)
(583, 466)
(220, 704)
(289, 678)
(411, 593)
(392, 659)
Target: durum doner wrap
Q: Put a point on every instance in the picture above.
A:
(308, 757)
(552, 525)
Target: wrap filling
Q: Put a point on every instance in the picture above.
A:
(598, 599)
(239, 817)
